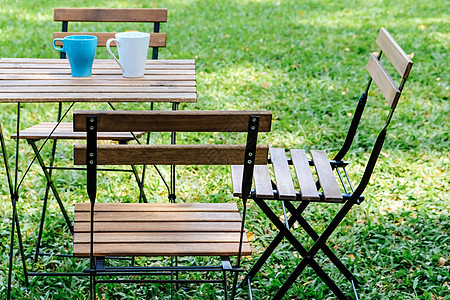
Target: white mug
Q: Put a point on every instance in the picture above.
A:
(133, 49)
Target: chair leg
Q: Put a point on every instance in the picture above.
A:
(41, 225)
(272, 246)
(250, 293)
(44, 206)
(307, 258)
(225, 287)
(328, 252)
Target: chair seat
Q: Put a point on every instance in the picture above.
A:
(65, 131)
(154, 229)
(293, 183)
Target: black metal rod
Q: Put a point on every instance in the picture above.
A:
(225, 287)
(16, 170)
(11, 249)
(156, 28)
(5, 161)
(47, 190)
(309, 258)
(250, 292)
(52, 185)
(342, 180)
(348, 179)
(328, 252)
(354, 290)
(272, 246)
(43, 144)
(354, 124)
(303, 252)
(166, 268)
(159, 281)
(41, 224)
(22, 252)
(84, 169)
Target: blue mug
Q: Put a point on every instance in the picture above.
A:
(80, 50)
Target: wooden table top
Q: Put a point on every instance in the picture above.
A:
(49, 80)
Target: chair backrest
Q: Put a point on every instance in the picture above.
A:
(92, 154)
(140, 15)
(390, 90)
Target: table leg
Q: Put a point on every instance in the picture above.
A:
(14, 198)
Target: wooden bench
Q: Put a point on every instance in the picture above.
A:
(165, 229)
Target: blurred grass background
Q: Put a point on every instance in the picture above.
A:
(304, 61)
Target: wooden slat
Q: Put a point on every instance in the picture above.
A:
(236, 179)
(115, 70)
(169, 154)
(111, 14)
(163, 249)
(304, 175)
(383, 81)
(98, 64)
(263, 184)
(25, 84)
(156, 39)
(282, 174)
(97, 97)
(159, 207)
(173, 121)
(163, 229)
(106, 61)
(156, 216)
(261, 177)
(113, 226)
(65, 131)
(394, 53)
(160, 237)
(102, 89)
(327, 180)
(25, 76)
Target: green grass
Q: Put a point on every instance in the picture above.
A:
(305, 61)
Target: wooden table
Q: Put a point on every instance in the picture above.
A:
(27, 80)
(49, 80)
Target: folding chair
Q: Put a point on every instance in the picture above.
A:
(164, 229)
(63, 131)
(322, 184)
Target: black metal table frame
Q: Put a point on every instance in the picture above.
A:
(14, 187)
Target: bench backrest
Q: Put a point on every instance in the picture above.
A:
(139, 15)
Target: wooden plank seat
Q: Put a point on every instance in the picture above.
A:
(294, 170)
(166, 229)
(64, 130)
(156, 229)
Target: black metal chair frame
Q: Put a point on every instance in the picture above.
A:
(351, 197)
(97, 264)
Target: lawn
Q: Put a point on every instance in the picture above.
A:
(304, 61)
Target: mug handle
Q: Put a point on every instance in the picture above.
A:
(59, 49)
(108, 47)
